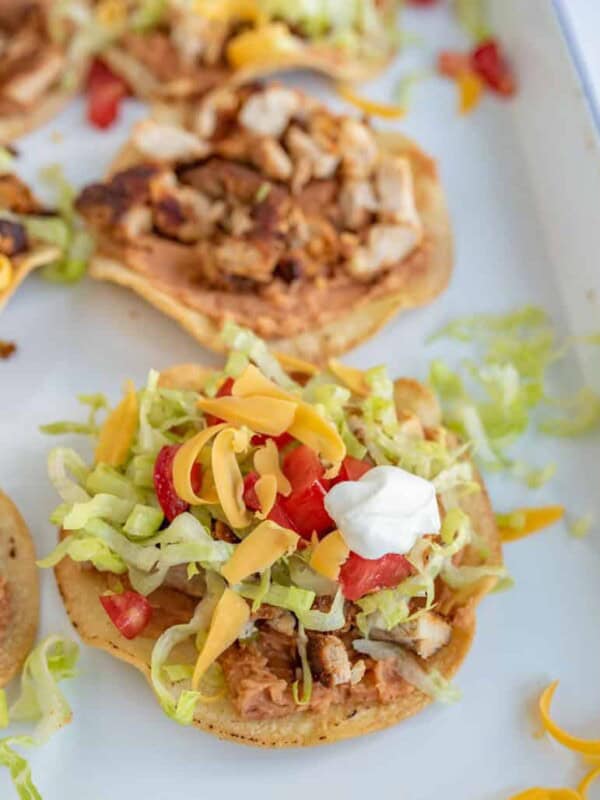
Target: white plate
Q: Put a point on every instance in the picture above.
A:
(523, 180)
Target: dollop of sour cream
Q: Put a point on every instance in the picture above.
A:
(384, 512)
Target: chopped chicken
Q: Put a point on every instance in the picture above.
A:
(197, 38)
(425, 634)
(283, 623)
(218, 178)
(13, 238)
(306, 151)
(29, 84)
(268, 113)
(410, 424)
(386, 245)
(168, 143)
(182, 212)
(240, 222)
(16, 196)
(243, 258)
(358, 202)
(215, 103)
(136, 221)
(272, 159)
(358, 147)
(394, 182)
(328, 659)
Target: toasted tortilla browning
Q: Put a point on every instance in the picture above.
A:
(303, 225)
(19, 591)
(380, 700)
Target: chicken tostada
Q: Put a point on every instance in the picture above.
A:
(179, 49)
(19, 591)
(262, 205)
(41, 64)
(290, 556)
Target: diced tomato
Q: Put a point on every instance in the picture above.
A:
(352, 469)
(129, 612)
(225, 390)
(170, 502)
(276, 514)
(359, 576)
(106, 91)
(302, 467)
(490, 64)
(452, 63)
(281, 441)
(305, 505)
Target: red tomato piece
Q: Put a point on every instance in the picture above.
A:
(352, 469)
(489, 63)
(302, 467)
(225, 390)
(452, 64)
(276, 514)
(170, 502)
(359, 576)
(306, 509)
(281, 441)
(129, 612)
(106, 91)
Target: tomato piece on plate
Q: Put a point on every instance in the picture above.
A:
(129, 612)
(359, 576)
(353, 469)
(225, 390)
(490, 64)
(106, 91)
(276, 514)
(164, 486)
(453, 64)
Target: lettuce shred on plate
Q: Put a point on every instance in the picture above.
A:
(494, 400)
(40, 700)
(241, 528)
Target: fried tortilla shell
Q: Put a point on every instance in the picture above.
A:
(24, 264)
(81, 587)
(423, 275)
(19, 591)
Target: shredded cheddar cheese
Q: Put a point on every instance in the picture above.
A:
(230, 615)
(118, 432)
(589, 747)
(291, 365)
(266, 492)
(184, 460)
(587, 782)
(269, 44)
(525, 521)
(259, 550)
(470, 89)
(269, 415)
(228, 477)
(229, 10)
(329, 555)
(252, 382)
(371, 107)
(353, 378)
(266, 462)
(538, 793)
(111, 13)
(6, 272)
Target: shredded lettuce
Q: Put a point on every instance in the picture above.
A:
(305, 577)
(331, 620)
(331, 400)
(289, 597)
(582, 415)
(143, 522)
(40, 700)
(431, 683)
(61, 462)
(6, 159)
(82, 547)
(460, 577)
(250, 345)
(472, 17)
(147, 15)
(307, 678)
(580, 527)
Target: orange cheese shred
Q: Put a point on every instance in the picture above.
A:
(263, 414)
(329, 555)
(266, 492)
(270, 44)
(470, 88)
(228, 477)
(292, 365)
(587, 782)
(252, 383)
(589, 747)
(351, 377)
(266, 462)
(539, 793)
(259, 550)
(229, 617)
(118, 431)
(385, 110)
(525, 521)
(185, 459)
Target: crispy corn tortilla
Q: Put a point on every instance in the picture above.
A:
(427, 271)
(81, 587)
(23, 265)
(19, 580)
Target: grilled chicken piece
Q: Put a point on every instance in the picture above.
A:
(217, 178)
(425, 635)
(217, 104)
(271, 158)
(358, 202)
(311, 160)
(182, 212)
(328, 659)
(386, 245)
(358, 148)
(168, 143)
(15, 196)
(35, 78)
(395, 190)
(268, 113)
(13, 238)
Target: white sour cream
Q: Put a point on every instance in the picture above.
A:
(384, 512)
